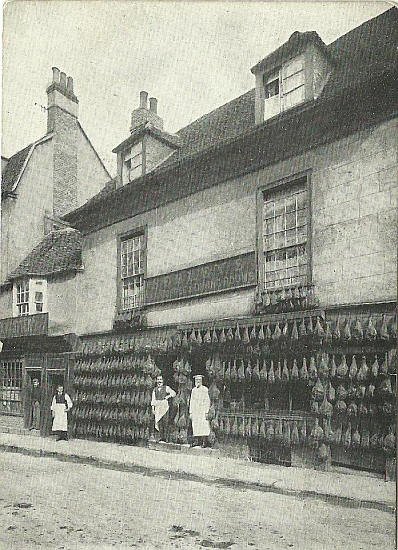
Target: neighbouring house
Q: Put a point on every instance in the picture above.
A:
(256, 246)
(48, 178)
(39, 254)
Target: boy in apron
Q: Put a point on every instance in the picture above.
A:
(60, 406)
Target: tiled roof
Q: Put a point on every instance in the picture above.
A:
(357, 55)
(58, 252)
(13, 169)
(295, 45)
(106, 190)
(171, 139)
(226, 142)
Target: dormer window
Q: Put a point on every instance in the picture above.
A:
(294, 73)
(284, 87)
(133, 163)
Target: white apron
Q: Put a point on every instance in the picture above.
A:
(199, 406)
(60, 421)
(161, 406)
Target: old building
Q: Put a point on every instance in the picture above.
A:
(48, 178)
(256, 246)
(39, 254)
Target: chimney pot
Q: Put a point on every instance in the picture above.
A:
(62, 80)
(153, 104)
(55, 74)
(69, 84)
(143, 99)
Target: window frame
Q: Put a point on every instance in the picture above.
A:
(275, 186)
(138, 231)
(18, 293)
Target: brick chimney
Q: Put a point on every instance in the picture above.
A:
(62, 121)
(142, 114)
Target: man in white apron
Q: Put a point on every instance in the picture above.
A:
(160, 407)
(60, 406)
(199, 406)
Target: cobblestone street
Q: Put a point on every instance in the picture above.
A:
(46, 503)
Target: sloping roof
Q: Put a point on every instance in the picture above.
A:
(364, 52)
(58, 252)
(295, 45)
(13, 169)
(16, 163)
(226, 142)
(357, 56)
(147, 128)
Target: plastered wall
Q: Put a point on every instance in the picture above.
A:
(354, 188)
(23, 217)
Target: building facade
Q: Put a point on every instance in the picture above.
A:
(39, 254)
(257, 246)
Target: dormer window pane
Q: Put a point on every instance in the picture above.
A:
(272, 88)
(294, 66)
(294, 97)
(292, 82)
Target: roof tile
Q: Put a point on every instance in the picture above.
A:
(58, 252)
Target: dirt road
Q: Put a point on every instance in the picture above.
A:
(45, 503)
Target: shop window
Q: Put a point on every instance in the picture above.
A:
(284, 230)
(132, 271)
(243, 394)
(10, 386)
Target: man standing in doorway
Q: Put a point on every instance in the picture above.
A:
(199, 406)
(35, 405)
(160, 407)
(60, 406)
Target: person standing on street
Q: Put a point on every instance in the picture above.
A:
(199, 406)
(60, 406)
(160, 407)
(35, 405)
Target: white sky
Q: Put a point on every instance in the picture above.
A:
(192, 56)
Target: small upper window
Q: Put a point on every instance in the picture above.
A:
(284, 88)
(23, 298)
(133, 163)
(30, 297)
(39, 298)
(271, 89)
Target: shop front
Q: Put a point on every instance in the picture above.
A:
(30, 369)
(305, 387)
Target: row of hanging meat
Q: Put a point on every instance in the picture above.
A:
(350, 329)
(113, 398)
(295, 432)
(341, 329)
(128, 364)
(324, 366)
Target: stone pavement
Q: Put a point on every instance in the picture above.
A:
(365, 491)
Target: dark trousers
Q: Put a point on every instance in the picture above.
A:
(61, 435)
(35, 417)
(163, 425)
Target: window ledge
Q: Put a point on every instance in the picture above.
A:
(129, 319)
(283, 300)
